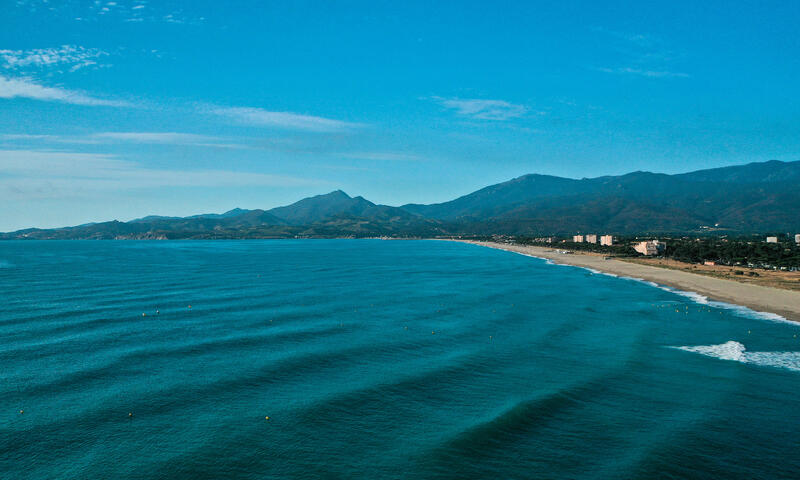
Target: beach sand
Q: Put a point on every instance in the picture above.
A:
(760, 298)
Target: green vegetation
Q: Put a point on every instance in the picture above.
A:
(751, 252)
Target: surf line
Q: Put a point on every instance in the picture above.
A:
(697, 298)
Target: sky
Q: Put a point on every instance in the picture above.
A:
(126, 108)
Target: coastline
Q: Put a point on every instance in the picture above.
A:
(761, 299)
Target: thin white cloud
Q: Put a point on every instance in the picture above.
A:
(68, 56)
(482, 108)
(98, 10)
(285, 120)
(641, 55)
(27, 137)
(52, 174)
(158, 138)
(644, 73)
(383, 156)
(155, 137)
(169, 138)
(27, 88)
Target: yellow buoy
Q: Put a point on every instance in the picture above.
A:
(21, 412)
(130, 414)
(433, 332)
(266, 418)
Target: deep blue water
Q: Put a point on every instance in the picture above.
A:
(376, 359)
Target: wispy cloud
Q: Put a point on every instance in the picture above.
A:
(71, 57)
(27, 88)
(641, 55)
(124, 10)
(155, 137)
(285, 120)
(49, 174)
(382, 156)
(170, 138)
(483, 109)
(28, 137)
(644, 73)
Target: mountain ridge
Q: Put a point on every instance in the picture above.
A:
(755, 197)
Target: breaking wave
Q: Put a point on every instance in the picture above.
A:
(737, 352)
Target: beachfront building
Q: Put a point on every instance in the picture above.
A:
(577, 238)
(650, 247)
(607, 240)
(797, 239)
(591, 238)
(772, 239)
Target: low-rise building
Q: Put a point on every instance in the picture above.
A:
(577, 238)
(591, 238)
(772, 239)
(797, 239)
(607, 240)
(650, 247)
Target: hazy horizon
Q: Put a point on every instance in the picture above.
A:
(322, 193)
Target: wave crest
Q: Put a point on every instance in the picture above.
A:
(737, 352)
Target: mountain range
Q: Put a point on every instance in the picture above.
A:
(752, 198)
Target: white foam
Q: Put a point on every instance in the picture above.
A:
(787, 360)
(739, 310)
(546, 260)
(735, 351)
(725, 351)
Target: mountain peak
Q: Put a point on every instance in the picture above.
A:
(336, 193)
(234, 211)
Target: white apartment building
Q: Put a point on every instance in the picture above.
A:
(650, 247)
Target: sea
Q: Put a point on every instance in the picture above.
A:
(374, 359)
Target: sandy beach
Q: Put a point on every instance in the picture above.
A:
(763, 299)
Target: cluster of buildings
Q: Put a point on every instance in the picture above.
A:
(648, 247)
(606, 240)
(775, 239)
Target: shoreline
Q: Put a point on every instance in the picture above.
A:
(761, 299)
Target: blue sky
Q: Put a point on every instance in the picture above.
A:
(120, 109)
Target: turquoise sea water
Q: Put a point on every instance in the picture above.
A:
(377, 359)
